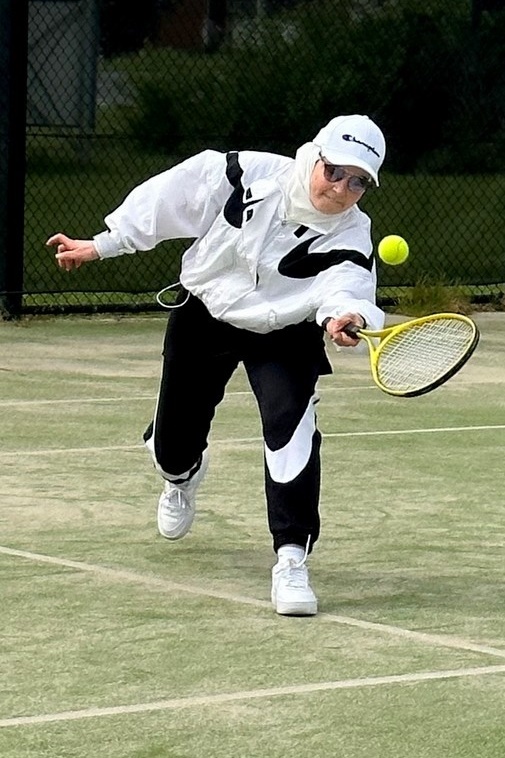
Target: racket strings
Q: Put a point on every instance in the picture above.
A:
(421, 354)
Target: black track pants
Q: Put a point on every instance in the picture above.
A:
(200, 355)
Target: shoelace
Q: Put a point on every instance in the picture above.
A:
(173, 505)
(296, 574)
(296, 570)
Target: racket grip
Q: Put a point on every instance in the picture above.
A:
(352, 330)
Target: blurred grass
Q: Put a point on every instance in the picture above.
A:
(412, 539)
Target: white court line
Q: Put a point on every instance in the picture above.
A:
(151, 398)
(249, 440)
(232, 697)
(121, 575)
(428, 430)
(77, 401)
(62, 451)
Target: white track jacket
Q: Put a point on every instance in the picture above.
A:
(250, 266)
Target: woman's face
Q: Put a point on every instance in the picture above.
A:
(334, 197)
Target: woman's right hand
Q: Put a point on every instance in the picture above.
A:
(72, 253)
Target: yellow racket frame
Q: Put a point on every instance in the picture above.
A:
(388, 334)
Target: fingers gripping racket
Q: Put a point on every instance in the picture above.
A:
(417, 356)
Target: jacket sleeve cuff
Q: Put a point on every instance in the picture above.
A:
(108, 245)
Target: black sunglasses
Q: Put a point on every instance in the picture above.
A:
(355, 183)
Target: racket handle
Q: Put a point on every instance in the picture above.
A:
(352, 330)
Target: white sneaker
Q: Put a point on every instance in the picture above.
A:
(176, 506)
(292, 594)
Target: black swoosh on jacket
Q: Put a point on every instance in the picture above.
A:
(235, 205)
(300, 263)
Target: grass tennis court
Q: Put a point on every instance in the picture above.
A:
(118, 644)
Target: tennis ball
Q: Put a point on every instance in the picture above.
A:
(393, 250)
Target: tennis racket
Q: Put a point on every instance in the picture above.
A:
(417, 356)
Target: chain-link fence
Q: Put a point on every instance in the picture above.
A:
(118, 90)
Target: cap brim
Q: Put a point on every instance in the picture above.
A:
(342, 159)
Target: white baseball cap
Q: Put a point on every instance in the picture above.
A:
(353, 141)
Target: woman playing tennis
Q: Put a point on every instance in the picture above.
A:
(280, 251)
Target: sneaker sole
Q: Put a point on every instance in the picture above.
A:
(296, 609)
(173, 535)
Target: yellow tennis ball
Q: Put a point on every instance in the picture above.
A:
(393, 250)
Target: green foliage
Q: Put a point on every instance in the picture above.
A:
(431, 296)
(175, 111)
(419, 71)
(156, 124)
(434, 83)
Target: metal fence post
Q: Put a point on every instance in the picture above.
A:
(13, 55)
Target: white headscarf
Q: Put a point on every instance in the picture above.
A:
(354, 140)
(299, 208)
